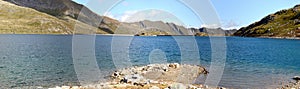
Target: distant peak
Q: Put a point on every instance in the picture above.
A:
(297, 6)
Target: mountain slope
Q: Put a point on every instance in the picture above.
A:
(21, 20)
(284, 23)
(69, 10)
(62, 15)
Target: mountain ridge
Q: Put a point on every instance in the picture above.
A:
(22, 20)
(67, 8)
(283, 23)
(69, 11)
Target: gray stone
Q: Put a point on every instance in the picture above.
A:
(177, 86)
(154, 87)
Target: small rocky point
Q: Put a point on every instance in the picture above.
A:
(293, 85)
(153, 76)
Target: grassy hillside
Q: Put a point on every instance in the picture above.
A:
(22, 20)
(69, 10)
(284, 23)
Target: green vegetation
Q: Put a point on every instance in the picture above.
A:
(21, 20)
(284, 23)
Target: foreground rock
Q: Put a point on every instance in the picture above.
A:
(159, 73)
(153, 76)
(293, 85)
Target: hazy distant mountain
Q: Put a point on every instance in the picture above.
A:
(213, 31)
(284, 23)
(153, 28)
(148, 28)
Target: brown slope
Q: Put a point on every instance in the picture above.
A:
(22, 20)
(67, 8)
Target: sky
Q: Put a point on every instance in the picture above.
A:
(232, 13)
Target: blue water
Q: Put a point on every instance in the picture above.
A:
(46, 60)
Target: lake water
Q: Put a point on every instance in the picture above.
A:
(46, 60)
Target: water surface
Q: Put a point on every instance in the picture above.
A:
(46, 60)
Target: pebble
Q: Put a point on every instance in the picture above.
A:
(65, 87)
(178, 86)
(222, 88)
(174, 65)
(154, 87)
(297, 78)
(39, 87)
(75, 87)
(153, 81)
(192, 87)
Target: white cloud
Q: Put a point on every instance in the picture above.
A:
(108, 14)
(230, 25)
(126, 15)
(226, 25)
(210, 25)
(160, 15)
(150, 14)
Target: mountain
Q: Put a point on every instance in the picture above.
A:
(22, 20)
(147, 28)
(68, 10)
(60, 17)
(213, 31)
(284, 23)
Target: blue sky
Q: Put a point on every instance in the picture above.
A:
(232, 13)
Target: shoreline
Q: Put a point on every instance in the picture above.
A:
(292, 38)
(116, 35)
(159, 76)
(264, 37)
(141, 77)
(152, 76)
(129, 35)
(298, 38)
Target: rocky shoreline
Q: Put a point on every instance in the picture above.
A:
(160, 76)
(294, 38)
(153, 76)
(293, 85)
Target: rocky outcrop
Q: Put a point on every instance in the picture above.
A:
(280, 24)
(293, 85)
(153, 76)
(213, 32)
(52, 7)
(155, 73)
